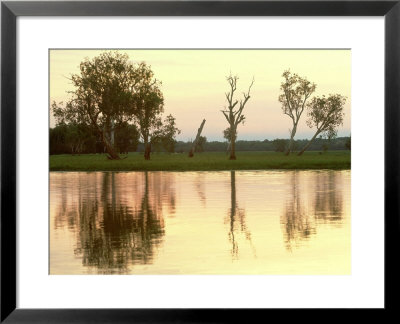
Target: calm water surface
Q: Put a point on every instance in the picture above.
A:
(229, 222)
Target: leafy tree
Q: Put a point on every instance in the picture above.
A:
(71, 138)
(227, 134)
(75, 138)
(228, 137)
(104, 95)
(200, 144)
(148, 118)
(232, 115)
(57, 137)
(149, 103)
(127, 137)
(326, 114)
(295, 92)
(168, 134)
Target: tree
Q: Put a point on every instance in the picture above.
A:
(295, 92)
(127, 137)
(200, 144)
(228, 136)
(194, 144)
(75, 138)
(57, 136)
(104, 95)
(234, 117)
(326, 114)
(168, 134)
(149, 103)
(71, 139)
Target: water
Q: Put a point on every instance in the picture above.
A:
(229, 222)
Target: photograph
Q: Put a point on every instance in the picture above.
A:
(199, 161)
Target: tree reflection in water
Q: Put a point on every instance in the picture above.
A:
(123, 224)
(298, 223)
(199, 184)
(237, 221)
(328, 201)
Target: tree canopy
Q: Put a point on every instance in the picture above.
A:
(295, 92)
(111, 90)
(326, 114)
(149, 104)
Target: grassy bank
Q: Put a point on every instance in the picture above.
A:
(202, 161)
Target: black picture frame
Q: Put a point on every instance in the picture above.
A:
(9, 13)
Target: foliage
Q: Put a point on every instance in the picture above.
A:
(104, 90)
(280, 145)
(58, 146)
(71, 139)
(57, 140)
(75, 138)
(149, 103)
(295, 92)
(104, 95)
(166, 135)
(200, 144)
(227, 134)
(336, 144)
(78, 139)
(127, 137)
(326, 114)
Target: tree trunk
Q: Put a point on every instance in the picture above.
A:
(147, 150)
(103, 135)
(309, 143)
(291, 139)
(233, 212)
(110, 150)
(191, 152)
(112, 133)
(233, 140)
(233, 194)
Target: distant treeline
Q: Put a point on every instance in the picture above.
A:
(67, 139)
(277, 145)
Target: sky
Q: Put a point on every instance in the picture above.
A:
(194, 86)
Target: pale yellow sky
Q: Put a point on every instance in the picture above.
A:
(194, 83)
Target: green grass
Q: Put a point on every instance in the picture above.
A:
(209, 161)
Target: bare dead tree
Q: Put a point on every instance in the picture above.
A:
(232, 115)
(197, 138)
